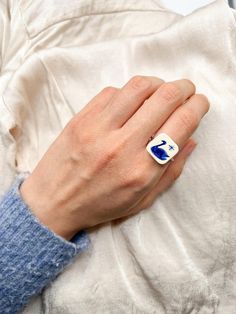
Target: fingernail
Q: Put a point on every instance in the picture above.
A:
(190, 147)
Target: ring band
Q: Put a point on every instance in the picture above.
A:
(162, 148)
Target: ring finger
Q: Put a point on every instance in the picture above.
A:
(180, 126)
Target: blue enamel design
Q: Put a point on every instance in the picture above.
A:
(160, 152)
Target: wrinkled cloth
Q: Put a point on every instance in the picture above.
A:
(179, 255)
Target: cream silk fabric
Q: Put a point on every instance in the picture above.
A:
(55, 55)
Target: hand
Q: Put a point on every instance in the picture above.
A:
(98, 168)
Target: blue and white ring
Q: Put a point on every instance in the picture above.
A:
(162, 148)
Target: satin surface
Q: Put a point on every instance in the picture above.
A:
(179, 255)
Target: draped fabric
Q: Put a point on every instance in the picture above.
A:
(179, 255)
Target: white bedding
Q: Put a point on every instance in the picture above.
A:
(178, 256)
(185, 6)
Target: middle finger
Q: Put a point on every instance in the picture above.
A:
(157, 109)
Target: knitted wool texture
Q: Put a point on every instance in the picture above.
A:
(31, 255)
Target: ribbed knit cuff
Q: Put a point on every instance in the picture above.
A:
(31, 255)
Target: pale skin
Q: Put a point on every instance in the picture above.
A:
(98, 169)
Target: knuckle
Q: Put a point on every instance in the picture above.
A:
(189, 119)
(170, 92)
(140, 82)
(189, 82)
(109, 90)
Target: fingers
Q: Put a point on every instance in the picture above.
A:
(172, 173)
(130, 97)
(157, 109)
(184, 121)
(180, 126)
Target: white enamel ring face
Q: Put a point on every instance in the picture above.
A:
(162, 148)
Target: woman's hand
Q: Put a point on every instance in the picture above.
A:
(98, 168)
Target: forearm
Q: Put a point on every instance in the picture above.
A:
(31, 255)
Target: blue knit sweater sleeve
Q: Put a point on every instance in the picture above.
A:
(31, 255)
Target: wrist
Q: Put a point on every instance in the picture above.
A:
(43, 209)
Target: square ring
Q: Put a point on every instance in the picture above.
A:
(162, 148)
